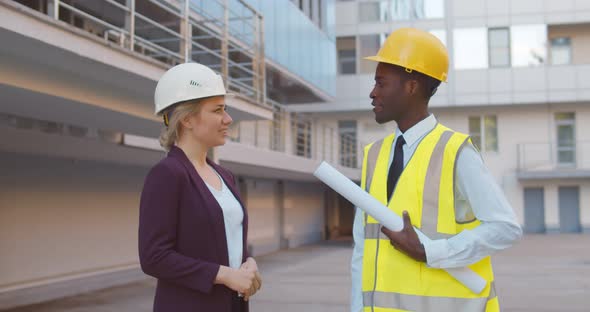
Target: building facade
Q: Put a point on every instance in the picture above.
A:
(518, 84)
(78, 133)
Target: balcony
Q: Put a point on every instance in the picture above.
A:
(227, 36)
(95, 63)
(544, 161)
(92, 66)
(290, 146)
(266, 149)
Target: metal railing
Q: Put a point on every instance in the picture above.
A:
(297, 134)
(278, 129)
(226, 35)
(301, 126)
(551, 156)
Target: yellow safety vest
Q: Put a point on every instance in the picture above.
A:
(392, 281)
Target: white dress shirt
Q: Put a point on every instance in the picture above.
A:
(233, 216)
(476, 194)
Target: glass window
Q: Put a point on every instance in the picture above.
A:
(346, 47)
(373, 11)
(369, 45)
(400, 10)
(475, 130)
(561, 51)
(490, 131)
(425, 9)
(566, 142)
(484, 132)
(528, 44)
(470, 49)
(499, 45)
(348, 137)
(302, 135)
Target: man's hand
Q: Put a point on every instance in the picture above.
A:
(406, 240)
(251, 266)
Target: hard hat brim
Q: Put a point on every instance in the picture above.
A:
(227, 94)
(377, 58)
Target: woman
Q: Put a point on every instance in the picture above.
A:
(192, 224)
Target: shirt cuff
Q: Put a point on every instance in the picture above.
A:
(436, 251)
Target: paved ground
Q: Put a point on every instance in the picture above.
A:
(541, 274)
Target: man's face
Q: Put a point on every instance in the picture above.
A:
(390, 99)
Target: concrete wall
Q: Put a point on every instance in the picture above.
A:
(520, 11)
(60, 219)
(283, 214)
(255, 133)
(469, 13)
(478, 87)
(304, 213)
(521, 125)
(264, 214)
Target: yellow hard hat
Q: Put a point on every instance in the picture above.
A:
(415, 49)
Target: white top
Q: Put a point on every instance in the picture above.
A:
(233, 216)
(476, 194)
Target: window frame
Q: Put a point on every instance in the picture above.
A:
(483, 133)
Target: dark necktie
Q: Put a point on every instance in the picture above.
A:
(395, 170)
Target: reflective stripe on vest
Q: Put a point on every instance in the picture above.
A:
(422, 303)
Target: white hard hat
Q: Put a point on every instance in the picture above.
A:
(188, 81)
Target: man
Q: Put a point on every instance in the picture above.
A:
(433, 177)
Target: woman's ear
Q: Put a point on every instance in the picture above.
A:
(186, 122)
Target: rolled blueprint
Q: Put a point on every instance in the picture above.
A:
(349, 190)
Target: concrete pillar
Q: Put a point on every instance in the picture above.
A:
(53, 8)
(289, 134)
(332, 214)
(280, 206)
(130, 23)
(186, 32)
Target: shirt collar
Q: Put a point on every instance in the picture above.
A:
(419, 130)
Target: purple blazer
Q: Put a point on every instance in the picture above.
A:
(182, 239)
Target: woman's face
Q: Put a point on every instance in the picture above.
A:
(210, 125)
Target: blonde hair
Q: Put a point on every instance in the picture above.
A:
(178, 112)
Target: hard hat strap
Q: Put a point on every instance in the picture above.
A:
(166, 121)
